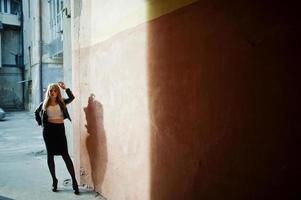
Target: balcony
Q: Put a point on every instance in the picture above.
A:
(10, 19)
(10, 12)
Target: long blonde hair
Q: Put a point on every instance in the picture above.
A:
(59, 98)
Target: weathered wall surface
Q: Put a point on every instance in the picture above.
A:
(111, 125)
(201, 102)
(223, 101)
(10, 89)
(11, 46)
(11, 94)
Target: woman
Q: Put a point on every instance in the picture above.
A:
(50, 115)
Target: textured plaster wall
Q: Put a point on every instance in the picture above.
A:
(223, 95)
(110, 80)
(201, 102)
(113, 117)
(116, 135)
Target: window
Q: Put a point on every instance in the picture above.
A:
(56, 15)
(15, 7)
(5, 6)
(56, 7)
(10, 6)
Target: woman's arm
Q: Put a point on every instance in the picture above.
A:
(68, 92)
(70, 96)
(37, 114)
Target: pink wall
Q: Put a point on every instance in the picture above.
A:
(219, 93)
(111, 126)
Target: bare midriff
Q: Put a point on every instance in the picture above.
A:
(56, 121)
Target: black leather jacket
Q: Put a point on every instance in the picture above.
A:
(41, 115)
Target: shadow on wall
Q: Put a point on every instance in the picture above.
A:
(223, 124)
(174, 100)
(96, 142)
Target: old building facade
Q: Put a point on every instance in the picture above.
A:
(44, 41)
(11, 55)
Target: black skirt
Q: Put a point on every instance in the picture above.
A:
(55, 139)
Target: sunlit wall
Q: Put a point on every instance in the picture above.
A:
(184, 99)
(111, 111)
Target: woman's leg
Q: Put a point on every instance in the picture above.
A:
(69, 165)
(51, 166)
(70, 168)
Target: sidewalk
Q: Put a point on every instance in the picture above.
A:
(24, 172)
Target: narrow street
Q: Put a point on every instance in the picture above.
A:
(23, 166)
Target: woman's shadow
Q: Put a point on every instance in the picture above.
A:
(96, 142)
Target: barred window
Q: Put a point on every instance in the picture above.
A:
(10, 6)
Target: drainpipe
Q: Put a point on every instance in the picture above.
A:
(21, 58)
(40, 51)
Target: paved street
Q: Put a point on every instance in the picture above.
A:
(23, 166)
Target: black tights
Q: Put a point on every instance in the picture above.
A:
(68, 162)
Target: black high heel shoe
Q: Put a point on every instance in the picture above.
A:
(75, 187)
(54, 185)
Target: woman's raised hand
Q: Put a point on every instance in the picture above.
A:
(62, 85)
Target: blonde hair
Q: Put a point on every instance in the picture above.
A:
(59, 98)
